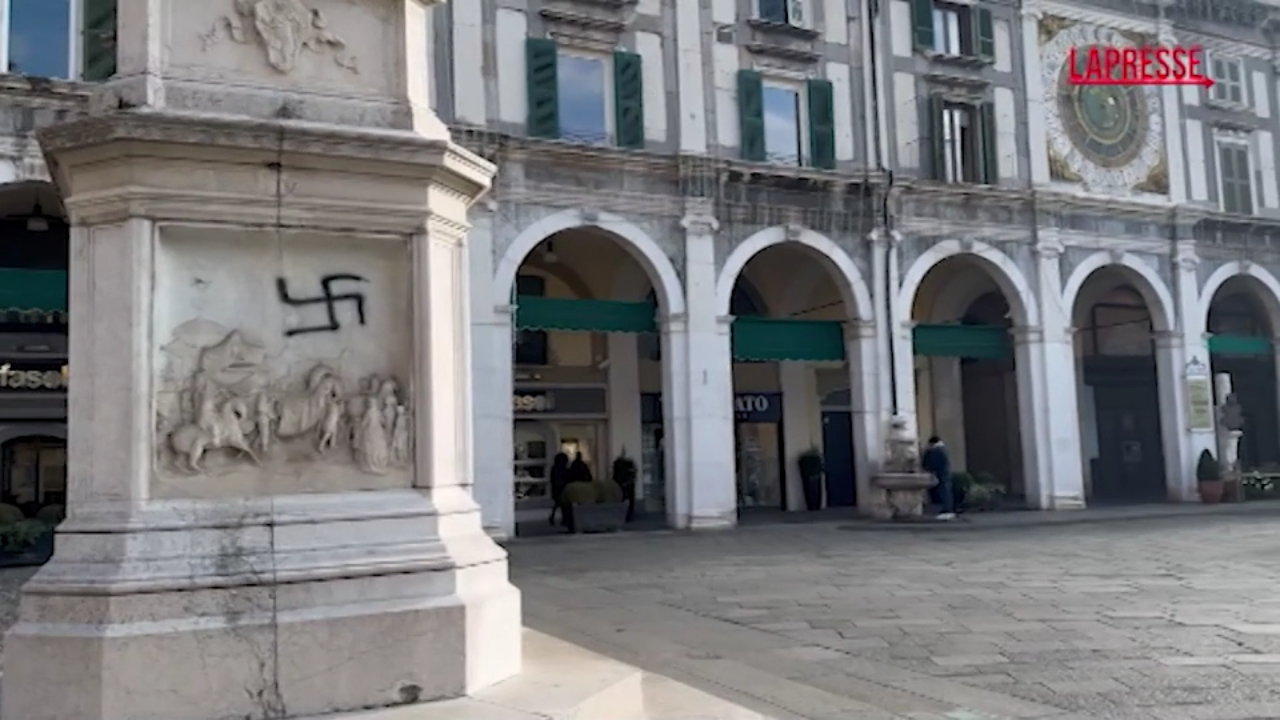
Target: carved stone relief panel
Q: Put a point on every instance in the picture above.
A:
(283, 364)
(315, 44)
(1108, 138)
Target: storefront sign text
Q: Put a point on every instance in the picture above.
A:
(29, 378)
(757, 407)
(533, 402)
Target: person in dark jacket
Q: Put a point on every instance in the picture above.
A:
(559, 478)
(938, 463)
(578, 470)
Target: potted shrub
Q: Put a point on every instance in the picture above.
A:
(961, 482)
(596, 506)
(625, 473)
(811, 470)
(1209, 478)
(983, 493)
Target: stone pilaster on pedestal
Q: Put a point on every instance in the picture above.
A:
(270, 510)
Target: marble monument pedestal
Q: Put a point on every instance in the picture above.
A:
(268, 457)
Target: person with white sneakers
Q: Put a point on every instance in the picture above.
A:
(937, 462)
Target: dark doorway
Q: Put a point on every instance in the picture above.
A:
(1129, 467)
(837, 452)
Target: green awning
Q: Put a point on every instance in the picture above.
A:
(1241, 345)
(772, 339)
(963, 341)
(33, 295)
(541, 313)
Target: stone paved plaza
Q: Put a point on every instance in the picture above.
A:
(1165, 618)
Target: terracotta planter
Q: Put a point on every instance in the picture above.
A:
(1211, 491)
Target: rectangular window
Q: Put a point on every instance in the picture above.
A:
(1235, 177)
(790, 12)
(952, 30)
(783, 134)
(582, 89)
(963, 139)
(959, 144)
(1228, 80)
(40, 38)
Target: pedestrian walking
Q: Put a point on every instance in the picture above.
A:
(559, 479)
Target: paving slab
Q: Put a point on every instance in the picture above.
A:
(1165, 619)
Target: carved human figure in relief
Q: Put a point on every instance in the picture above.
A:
(330, 426)
(371, 448)
(302, 413)
(264, 411)
(400, 437)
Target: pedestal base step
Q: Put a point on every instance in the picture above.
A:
(562, 681)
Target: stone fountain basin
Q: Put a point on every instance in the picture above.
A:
(905, 481)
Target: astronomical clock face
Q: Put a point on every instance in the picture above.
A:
(1108, 137)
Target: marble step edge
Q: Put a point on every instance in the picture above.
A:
(562, 681)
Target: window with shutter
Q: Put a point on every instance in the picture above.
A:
(1235, 178)
(541, 61)
(822, 124)
(988, 146)
(922, 24)
(1228, 80)
(985, 45)
(98, 40)
(628, 90)
(937, 158)
(751, 115)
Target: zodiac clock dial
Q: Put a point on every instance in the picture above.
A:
(1108, 136)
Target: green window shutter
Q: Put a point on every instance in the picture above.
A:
(98, 40)
(822, 124)
(628, 100)
(985, 42)
(751, 115)
(543, 81)
(937, 148)
(988, 151)
(922, 23)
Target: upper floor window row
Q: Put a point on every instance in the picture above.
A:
(962, 141)
(61, 39)
(953, 29)
(786, 122)
(585, 97)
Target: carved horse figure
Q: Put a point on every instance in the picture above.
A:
(212, 430)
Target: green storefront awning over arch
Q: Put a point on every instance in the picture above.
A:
(1241, 345)
(26, 292)
(573, 315)
(982, 342)
(758, 339)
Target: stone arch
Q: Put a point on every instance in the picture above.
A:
(644, 249)
(1003, 270)
(853, 290)
(1262, 277)
(1149, 284)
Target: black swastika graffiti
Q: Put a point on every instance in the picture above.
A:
(326, 298)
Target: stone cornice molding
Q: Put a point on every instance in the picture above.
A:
(310, 143)
(1168, 339)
